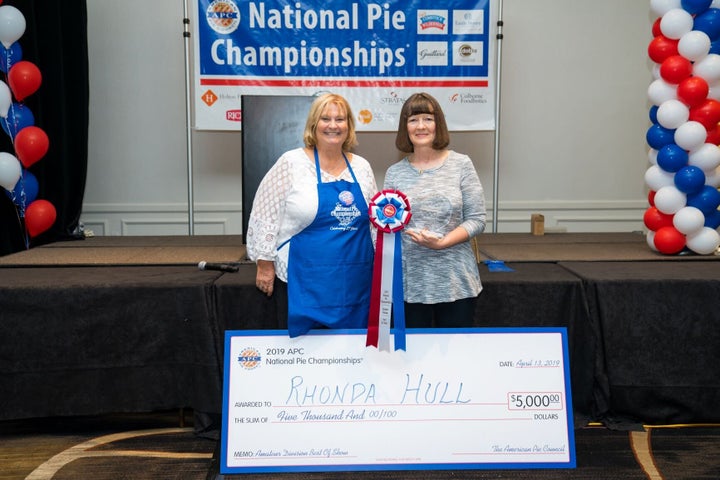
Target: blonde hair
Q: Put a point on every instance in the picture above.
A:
(316, 110)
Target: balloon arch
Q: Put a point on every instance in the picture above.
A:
(21, 79)
(683, 178)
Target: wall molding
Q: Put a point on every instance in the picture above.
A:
(121, 219)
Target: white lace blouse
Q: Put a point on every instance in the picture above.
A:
(286, 202)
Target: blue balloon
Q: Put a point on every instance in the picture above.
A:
(690, 179)
(695, 7)
(10, 56)
(19, 116)
(712, 219)
(709, 23)
(25, 191)
(672, 158)
(706, 200)
(653, 113)
(658, 136)
(715, 47)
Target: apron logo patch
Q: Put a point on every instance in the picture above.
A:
(345, 211)
(346, 197)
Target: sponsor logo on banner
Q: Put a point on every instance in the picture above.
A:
(209, 98)
(432, 53)
(468, 22)
(432, 22)
(474, 98)
(234, 115)
(467, 53)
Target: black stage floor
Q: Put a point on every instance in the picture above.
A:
(130, 324)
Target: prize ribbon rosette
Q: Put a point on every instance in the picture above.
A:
(389, 213)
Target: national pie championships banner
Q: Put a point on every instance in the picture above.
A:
(375, 54)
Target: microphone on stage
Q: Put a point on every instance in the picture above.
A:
(220, 267)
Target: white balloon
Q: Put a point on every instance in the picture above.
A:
(669, 199)
(715, 4)
(5, 99)
(690, 135)
(656, 71)
(661, 91)
(12, 25)
(650, 239)
(689, 220)
(656, 178)
(708, 68)
(661, 7)
(713, 178)
(672, 113)
(704, 242)
(10, 170)
(694, 45)
(714, 91)
(707, 157)
(652, 156)
(676, 23)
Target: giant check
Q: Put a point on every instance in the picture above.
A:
(456, 399)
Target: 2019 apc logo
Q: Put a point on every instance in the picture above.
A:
(249, 358)
(223, 16)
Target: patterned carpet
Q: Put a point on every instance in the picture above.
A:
(163, 446)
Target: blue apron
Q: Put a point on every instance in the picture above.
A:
(330, 262)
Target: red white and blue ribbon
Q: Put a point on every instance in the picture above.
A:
(389, 213)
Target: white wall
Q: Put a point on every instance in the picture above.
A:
(574, 113)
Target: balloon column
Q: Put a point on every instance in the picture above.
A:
(21, 79)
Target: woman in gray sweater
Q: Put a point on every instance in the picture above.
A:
(440, 273)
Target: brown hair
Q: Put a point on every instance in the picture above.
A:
(416, 104)
(316, 110)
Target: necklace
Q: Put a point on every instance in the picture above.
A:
(426, 165)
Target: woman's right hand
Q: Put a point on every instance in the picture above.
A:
(265, 278)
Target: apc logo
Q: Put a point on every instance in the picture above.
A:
(223, 16)
(249, 358)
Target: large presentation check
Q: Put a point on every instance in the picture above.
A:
(456, 399)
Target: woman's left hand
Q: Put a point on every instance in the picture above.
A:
(426, 238)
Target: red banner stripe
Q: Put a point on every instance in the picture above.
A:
(342, 83)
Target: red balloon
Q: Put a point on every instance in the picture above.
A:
(713, 136)
(654, 219)
(675, 68)
(24, 79)
(693, 91)
(656, 27)
(668, 240)
(651, 198)
(31, 144)
(707, 113)
(661, 48)
(39, 216)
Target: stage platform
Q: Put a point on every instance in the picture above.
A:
(130, 324)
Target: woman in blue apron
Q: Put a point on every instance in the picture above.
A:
(309, 230)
